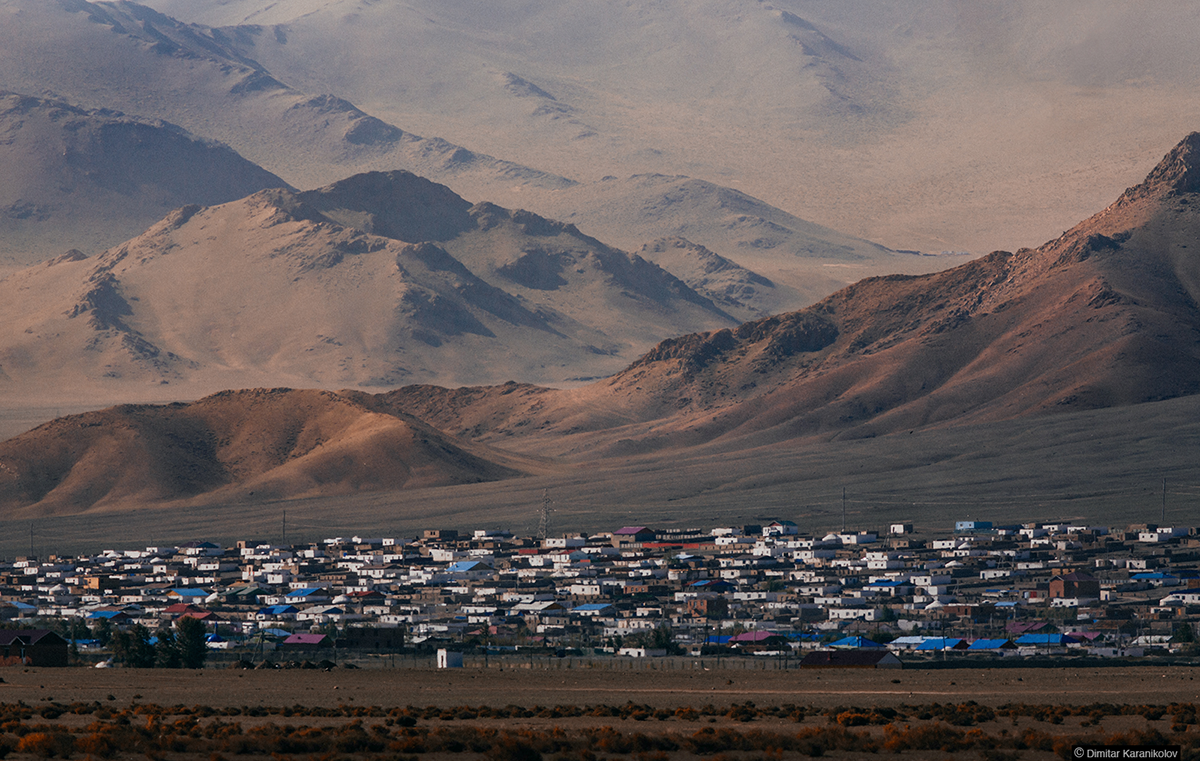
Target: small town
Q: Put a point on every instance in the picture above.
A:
(762, 592)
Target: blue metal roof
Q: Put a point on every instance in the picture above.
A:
(275, 610)
(988, 644)
(463, 566)
(307, 592)
(855, 642)
(191, 592)
(938, 643)
(1044, 639)
(105, 613)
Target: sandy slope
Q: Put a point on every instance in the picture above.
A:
(378, 280)
(805, 260)
(258, 443)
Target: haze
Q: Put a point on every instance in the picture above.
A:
(200, 195)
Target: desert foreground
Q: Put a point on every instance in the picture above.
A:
(820, 688)
(588, 714)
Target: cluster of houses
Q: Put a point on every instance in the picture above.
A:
(765, 590)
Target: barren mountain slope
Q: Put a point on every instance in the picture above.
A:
(739, 291)
(807, 261)
(921, 125)
(71, 178)
(129, 57)
(1105, 315)
(262, 443)
(373, 281)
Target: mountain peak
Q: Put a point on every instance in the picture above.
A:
(396, 204)
(1178, 172)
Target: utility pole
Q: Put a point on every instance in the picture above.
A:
(843, 509)
(285, 528)
(544, 517)
(1164, 502)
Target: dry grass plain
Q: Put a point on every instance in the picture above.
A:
(591, 714)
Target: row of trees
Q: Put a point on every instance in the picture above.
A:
(183, 646)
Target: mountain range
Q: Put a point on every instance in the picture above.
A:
(165, 114)
(1102, 318)
(923, 125)
(376, 280)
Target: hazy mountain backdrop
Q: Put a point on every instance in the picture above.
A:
(1103, 317)
(683, 256)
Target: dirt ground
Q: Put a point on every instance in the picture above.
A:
(661, 689)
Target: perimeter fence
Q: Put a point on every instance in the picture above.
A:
(505, 661)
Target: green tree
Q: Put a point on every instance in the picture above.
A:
(80, 630)
(166, 651)
(664, 639)
(103, 631)
(132, 647)
(190, 638)
(329, 629)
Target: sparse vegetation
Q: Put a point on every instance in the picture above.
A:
(378, 732)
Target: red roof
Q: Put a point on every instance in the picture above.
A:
(181, 608)
(305, 639)
(202, 615)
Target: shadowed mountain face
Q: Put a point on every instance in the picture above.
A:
(1105, 315)
(372, 281)
(71, 178)
(237, 444)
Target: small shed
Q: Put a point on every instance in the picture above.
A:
(633, 535)
(851, 659)
(447, 659)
